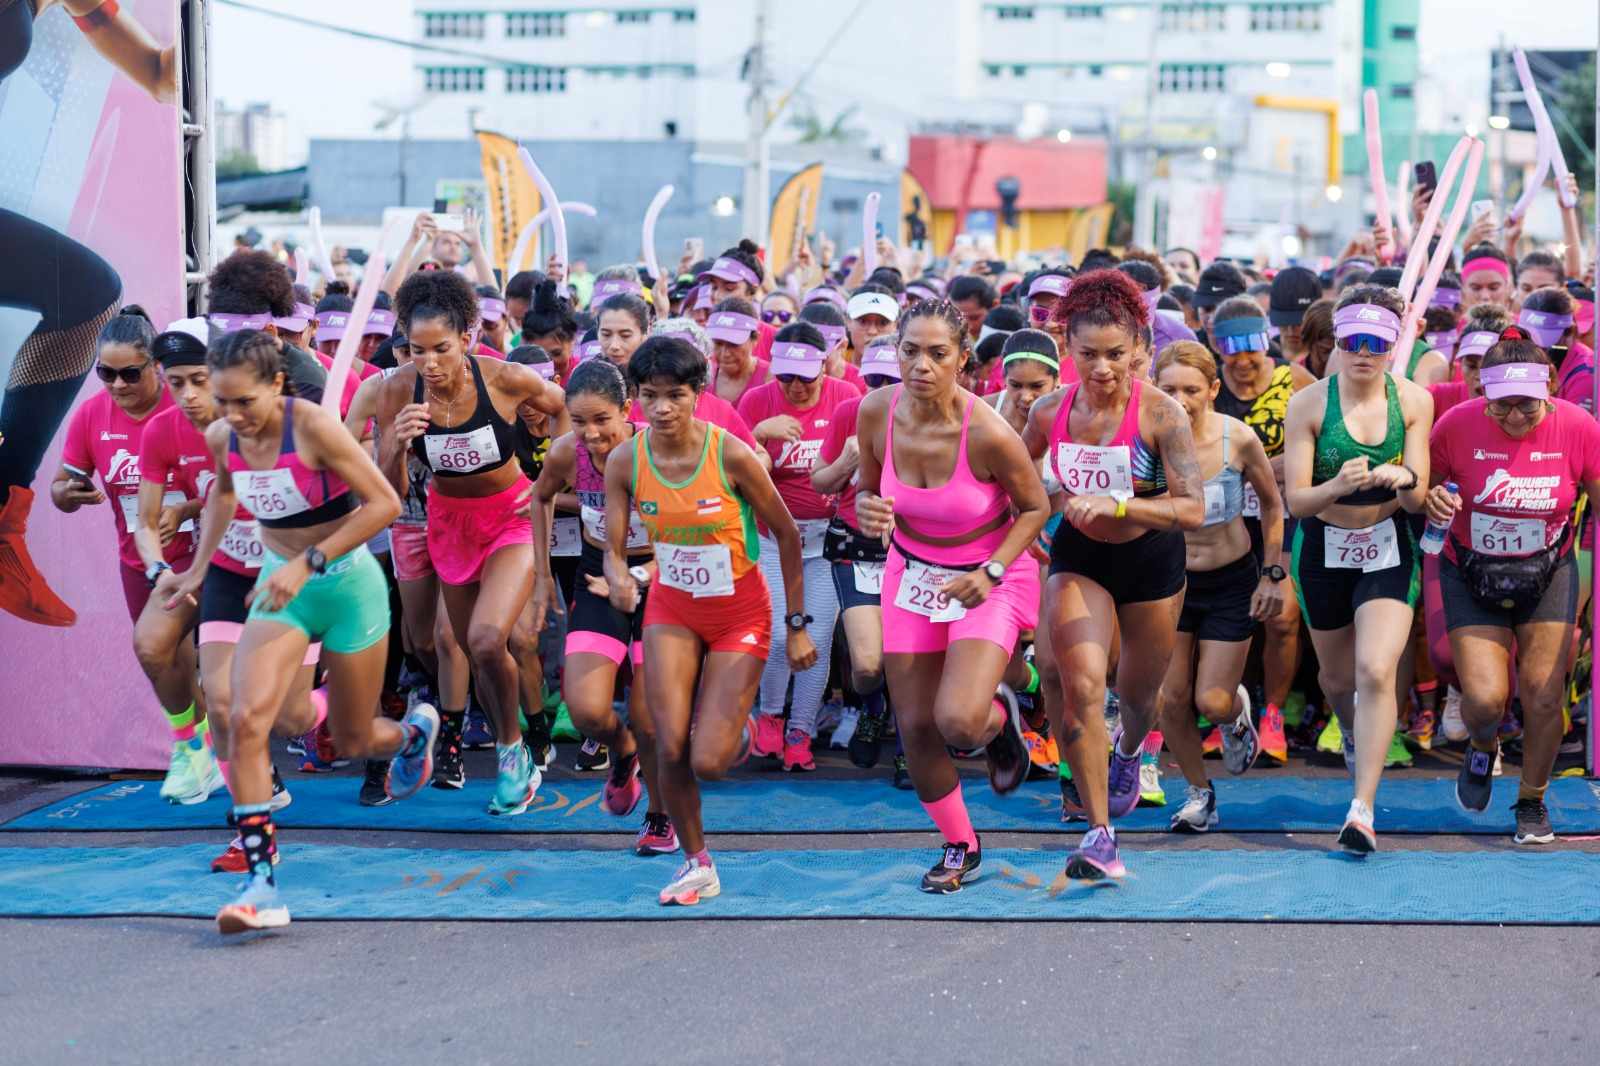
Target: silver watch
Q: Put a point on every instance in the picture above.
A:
(994, 570)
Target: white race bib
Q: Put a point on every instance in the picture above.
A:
(701, 571)
(1368, 549)
(812, 533)
(269, 494)
(869, 578)
(564, 539)
(1093, 470)
(1252, 502)
(921, 592)
(130, 510)
(462, 453)
(1493, 535)
(241, 542)
(1216, 503)
(594, 523)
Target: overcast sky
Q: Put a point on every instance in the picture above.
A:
(327, 84)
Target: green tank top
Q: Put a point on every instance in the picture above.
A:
(1418, 349)
(1335, 445)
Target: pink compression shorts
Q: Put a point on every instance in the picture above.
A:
(1011, 607)
(408, 549)
(463, 531)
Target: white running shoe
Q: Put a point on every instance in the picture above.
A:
(1241, 744)
(256, 907)
(1357, 836)
(205, 777)
(1450, 722)
(180, 780)
(691, 884)
(1198, 813)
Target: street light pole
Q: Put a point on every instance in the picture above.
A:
(1144, 210)
(757, 171)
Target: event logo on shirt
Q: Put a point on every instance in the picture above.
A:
(1480, 455)
(1541, 457)
(799, 454)
(123, 468)
(106, 434)
(1502, 490)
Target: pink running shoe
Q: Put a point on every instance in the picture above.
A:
(620, 798)
(656, 836)
(797, 752)
(766, 735)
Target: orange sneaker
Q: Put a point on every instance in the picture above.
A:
(1042, 754)
(1211, 746)
(1274, 745)
(23, 590)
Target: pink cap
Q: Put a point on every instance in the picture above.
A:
(793, 357)
(1054, 284)
(730, 327)
(228, 322)
(1516, 379)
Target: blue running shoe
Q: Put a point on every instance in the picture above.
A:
(1122, 782)
(257, 906)
(477, 736)
(518, 781)
(412, 767)
(1095, 857)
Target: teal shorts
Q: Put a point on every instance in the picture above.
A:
(347, 608)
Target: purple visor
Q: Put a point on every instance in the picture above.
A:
(1516, 379)
(919, 291)
(834, 335)
(331, 325)
(588, 350)
(1054, 284)
(879, 359)
(1546, 327)
(732, 270)
(1476, 343)
(1443, 297)
(546, 369)
(605, 290)
(1369, 319)
(298, 319)
(702, 300)
(493, 310)
(792, 357)
(380, 323)
(823, 294)
(233, 323)
(1151, 298)
(1443, 340)
(730, 327)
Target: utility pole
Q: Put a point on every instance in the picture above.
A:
(1144, 211)
(757, 167)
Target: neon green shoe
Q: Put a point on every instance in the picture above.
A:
(1399, 754)
(1294, 710)
(180, 780)
(205, 777)
(1331, 740)
(1151, 794)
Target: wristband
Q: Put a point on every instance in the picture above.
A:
(100, 16)
(1122, 508)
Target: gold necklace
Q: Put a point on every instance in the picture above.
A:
(449, 405)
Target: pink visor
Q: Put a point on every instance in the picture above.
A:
(732, 270)
(379, 323)
(1442, 341)
(880, 359)
(1054, 284)
(823, 294)
(1443, 297)
(1545, 327)
(1476, 343)
(1366, 318)
(792, 357)
(834, 335)
(1516, 379)
(605, 290)
(587, 350)
(298, 319)
(331, 325)
(233, 323)
(491, 309)
(702, 300)
(730, 327)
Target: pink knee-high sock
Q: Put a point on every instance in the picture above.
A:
(319, 703)
(950, 815)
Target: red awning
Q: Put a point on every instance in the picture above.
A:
(1053, 175)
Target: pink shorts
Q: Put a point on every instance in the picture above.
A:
(408, 550)
(1011, 607)
(463, 531)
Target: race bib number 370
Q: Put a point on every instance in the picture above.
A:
(1094, 470)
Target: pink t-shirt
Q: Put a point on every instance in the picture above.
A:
(102, 439)
(1446, 394)
(762, 374)
(841, 429)
(1575, 383)
(765, 333)
(1516, 495)
(852, 376)
(708, 408)
(175, 452)
(792, 460)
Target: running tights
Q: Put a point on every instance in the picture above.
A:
(822, 604)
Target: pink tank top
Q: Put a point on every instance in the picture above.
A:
(288, 495)
(1123, 466)
(960, 505)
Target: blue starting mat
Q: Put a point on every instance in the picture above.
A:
(1264, 803)
(334, 882)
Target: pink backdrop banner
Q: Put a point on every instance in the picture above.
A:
(76, 697)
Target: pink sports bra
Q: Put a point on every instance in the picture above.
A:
(1094, 475)
(960, 505)
(289, 495)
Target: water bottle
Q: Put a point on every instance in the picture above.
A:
(1433, 535)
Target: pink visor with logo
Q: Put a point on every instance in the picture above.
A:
(587, 350)
(1516, 379)
(331, 325)
(732, 270)
(1476, 343)
(730, 327)
(792, 357)
(233, 323)
(879, 359)
(491, 309)
(296, 320)
(1545, 327)
(380, 323)
(834, 335)
(1366, 318)
(605, 290)
(1050, 284)
(823, 294)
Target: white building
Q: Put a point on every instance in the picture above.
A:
(256, 130)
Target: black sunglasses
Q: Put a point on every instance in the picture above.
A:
(130, 375)
(790, 379)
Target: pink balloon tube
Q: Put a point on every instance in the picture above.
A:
(558, 220)
(1441, 255)
(366, 296)
(1430, 218)
(1380, 181)
(869, 236)
(648, 236)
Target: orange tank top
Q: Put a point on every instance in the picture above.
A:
(700, 512)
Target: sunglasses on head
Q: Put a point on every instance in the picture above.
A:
(1354, 342)
(130, 375)
(1527, 407)
(773, 316)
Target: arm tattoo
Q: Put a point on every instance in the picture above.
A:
(1176, 441)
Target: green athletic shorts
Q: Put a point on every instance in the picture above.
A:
(347, 608)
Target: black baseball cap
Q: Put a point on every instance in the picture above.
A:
(1218, 282)
(1293, 290)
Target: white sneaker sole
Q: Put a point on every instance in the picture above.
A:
(689, 897)
(234, 919)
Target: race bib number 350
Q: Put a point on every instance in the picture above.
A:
(1094, 470)
(701, 571)
(1367, 549)
(922, 592)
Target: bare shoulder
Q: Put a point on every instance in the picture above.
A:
(1309, 402)
(1415, 400)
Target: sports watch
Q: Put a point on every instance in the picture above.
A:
(798, 621)
(153, 571)
(995, 571)
(317, 561)
(1275, 572)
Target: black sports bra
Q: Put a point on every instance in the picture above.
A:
(482, 443)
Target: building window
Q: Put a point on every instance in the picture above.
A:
(1193, 78)
(633, 18)
(1404, 33)
(991, 71)
(1194, 18)
(452, 24)
(1400, 92)
(1285, 18)
(1013, 11)
(536, 24)
(1083, 11)
(453, 79)
(536, 79)
(683, 14)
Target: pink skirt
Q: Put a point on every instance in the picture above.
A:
(463, 531)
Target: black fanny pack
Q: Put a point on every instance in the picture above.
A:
(845, 545)
(1509, 582)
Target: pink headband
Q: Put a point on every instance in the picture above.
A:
(229, 322)
(1516, 379)
(1486, 262)
(1366, 318)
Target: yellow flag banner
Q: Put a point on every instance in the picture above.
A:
(916, 211)
(794, 214)
(511, 198)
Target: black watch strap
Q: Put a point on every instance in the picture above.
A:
(316, 560)
(1275, 572)
(798, 621)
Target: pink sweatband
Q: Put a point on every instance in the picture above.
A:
(1486, 262)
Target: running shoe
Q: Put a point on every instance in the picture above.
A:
(1095, 857)
(766, 736)
(375, 784)
(280, 793)
(845, 731)
(1399, 754)
(23, 590)
(321, 757)
(207, 777)
(1198, 813)
(656, 836)
(1357, 836)
(1347, 747)
(257, 906)
(797, 752)
(1423, 725)
(1533, 822)
(864, 743)
(180, 773)
(1240, 741)
(592, 757)
(1451, 725)
(1151, 794)
(1122, 780)
(1007, 753)
(1071, 803)
(1331, 739)
(1510, 723)
(1294, 710)
(475, 733)
(537, 737)
(622, 788)
(1475, 780)
(1043, 757)
(562, 728)
(295, 745)
(692, 883)
(1270, 736)
(448, 769)
(517, 782)
(1211, 745)
(902, 774)
(233, 861)
(955, 863)
(413, 766)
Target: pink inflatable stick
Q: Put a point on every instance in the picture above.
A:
(1380, 180)
(1441, 255)
(648, 236)
(366, 296)
(1430, 218)
(558, 220)
(869, 236)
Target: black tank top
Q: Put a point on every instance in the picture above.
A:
(482, 443)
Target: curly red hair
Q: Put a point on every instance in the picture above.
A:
(1103, 298)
